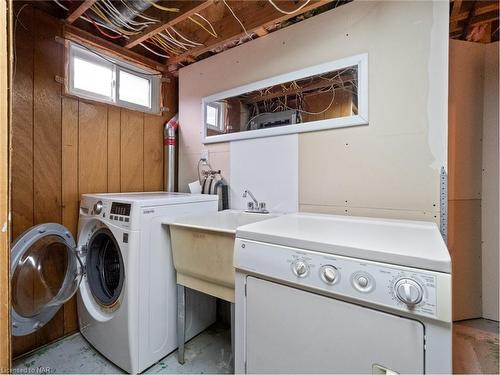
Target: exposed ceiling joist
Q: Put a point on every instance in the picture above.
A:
(457, 6)
(186, 10)
(481, 8)
(476, 20)
(485, 18)
(256, 15)
(77, 11)
(468, 22)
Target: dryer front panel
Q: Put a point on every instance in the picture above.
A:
(290, 330)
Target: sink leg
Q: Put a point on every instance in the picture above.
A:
(232, 333)
(181, 322)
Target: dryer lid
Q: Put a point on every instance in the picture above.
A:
(416, 244)
(45, 273)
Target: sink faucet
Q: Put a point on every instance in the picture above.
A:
(255, 206)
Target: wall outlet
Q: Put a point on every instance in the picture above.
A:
(204, 154)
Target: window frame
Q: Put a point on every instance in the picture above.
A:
(362, 118)
(220, 122)
(117, 65)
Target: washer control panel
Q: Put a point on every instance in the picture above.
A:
(117, 213)
(398, 287)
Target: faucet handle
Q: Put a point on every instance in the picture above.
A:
(250, 206)
(262, 206)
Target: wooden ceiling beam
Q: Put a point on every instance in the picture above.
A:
(186, 10)
(485, 18)
(73, 33)
(480, 9)
(457, 7)
(468, 22)
(255, 15)
(77, 11)
(477, 20)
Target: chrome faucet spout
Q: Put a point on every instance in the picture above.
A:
(255, 206)
(248, 192)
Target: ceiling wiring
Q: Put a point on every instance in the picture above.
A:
(287, 12)
(212, 32)
(126, 22)
(292, 95)
(99, 27)
(137, 13)
(183, 37)
(154, 52)
(117, 20)
(237, 19)
(112, 20)
(207, 21)
(117, 36)
(173, 10)
(171, 39)
(163, 44)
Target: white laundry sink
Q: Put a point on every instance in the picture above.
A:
(202, 248)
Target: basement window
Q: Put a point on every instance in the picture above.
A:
(95, 76)
(213, 117)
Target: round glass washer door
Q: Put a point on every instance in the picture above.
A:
(104, 268)
(45, 273)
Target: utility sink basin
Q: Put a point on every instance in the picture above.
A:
(202, 249)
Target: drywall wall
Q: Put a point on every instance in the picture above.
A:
(464, 183)
(490, 181)
(474, 179)
(390, 167)
(63, 147)
(271, 174)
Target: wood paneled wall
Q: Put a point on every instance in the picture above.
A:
(5, 19)
(63, 147)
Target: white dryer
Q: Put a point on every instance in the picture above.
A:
(336, 294)
(122, 267)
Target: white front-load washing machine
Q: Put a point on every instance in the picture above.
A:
(121, 266)
(335, 294)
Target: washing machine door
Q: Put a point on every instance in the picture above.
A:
(105, 271)
(45, 273)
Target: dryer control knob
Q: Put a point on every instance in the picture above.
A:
(98, 207)
(409, 291)
(300, 268)
(329, 274)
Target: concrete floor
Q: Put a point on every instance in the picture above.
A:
(476, 347)
(475, 350)
(207, 353)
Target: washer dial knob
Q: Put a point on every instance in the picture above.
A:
(300, 268)
(329, 274)
(363, 281)
(409, 291)
(98, 207)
